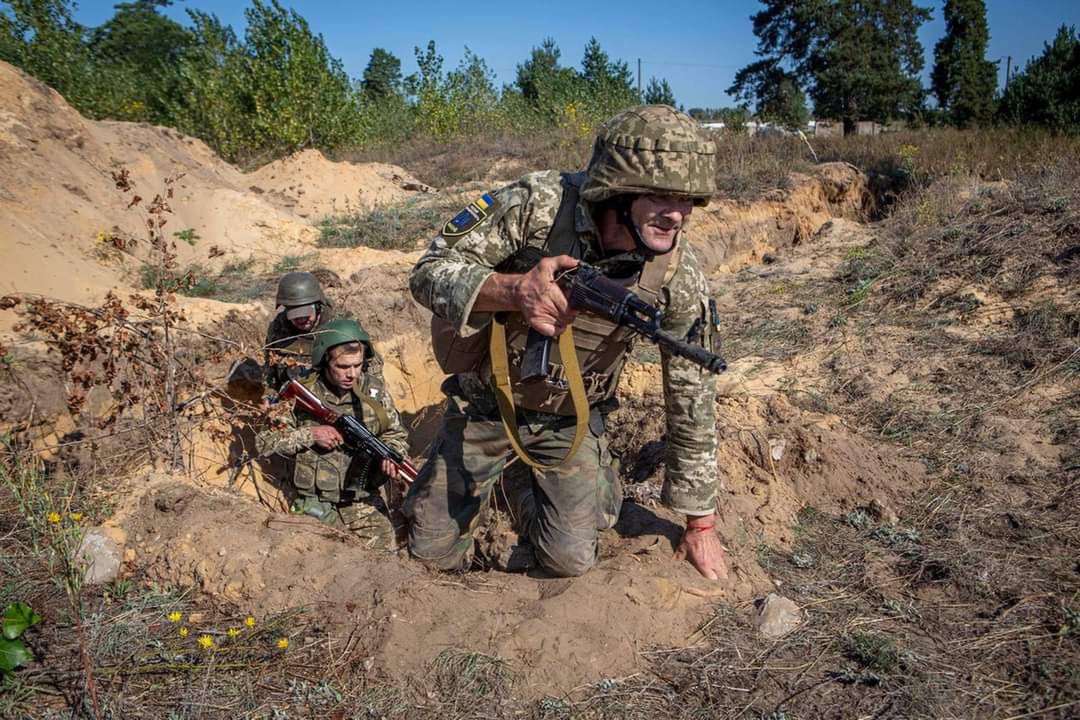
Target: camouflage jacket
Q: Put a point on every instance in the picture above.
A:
(448, 277)
(332, 474)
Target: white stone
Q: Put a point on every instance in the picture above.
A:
(776, 448)
(777, 616)
(101, 557)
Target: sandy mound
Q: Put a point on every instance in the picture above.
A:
(311, 186)
(61, 215)
(561, 633)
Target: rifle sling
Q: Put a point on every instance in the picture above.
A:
(504, 393)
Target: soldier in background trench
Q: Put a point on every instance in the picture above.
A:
(339, 488)
(302, 310)
(494, 265)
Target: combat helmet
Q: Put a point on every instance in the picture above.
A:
(651, 149)
(298, 288)
(337, 332)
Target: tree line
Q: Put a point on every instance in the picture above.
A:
(277, 88)
(861, 60)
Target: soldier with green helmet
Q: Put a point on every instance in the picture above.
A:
(330, 484)
(496, 263)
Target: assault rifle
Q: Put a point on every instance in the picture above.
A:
(589, 290)
(357, 437)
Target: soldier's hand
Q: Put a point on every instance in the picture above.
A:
(326, 437)
(389, 469)
(701, 546)
(542, 302)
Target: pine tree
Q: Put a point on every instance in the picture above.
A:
(963, 80)
(858, 59)
(1047, 91)
(382, 76)
(658, 92)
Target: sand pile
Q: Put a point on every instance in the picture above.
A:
(62, 217)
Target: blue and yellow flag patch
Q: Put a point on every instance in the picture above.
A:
(470, 216)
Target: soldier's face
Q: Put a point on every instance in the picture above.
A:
(344, 370)
(659, 218)
(305, 323)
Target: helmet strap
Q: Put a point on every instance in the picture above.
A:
(622, 215)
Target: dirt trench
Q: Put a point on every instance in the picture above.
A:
(775, 459)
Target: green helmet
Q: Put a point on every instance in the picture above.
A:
(337, 332)
(651, 149)
(298, 288)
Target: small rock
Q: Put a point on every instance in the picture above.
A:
(777, 616)
(101, 557)
(882, 512)
(776, 448)
(768, 259)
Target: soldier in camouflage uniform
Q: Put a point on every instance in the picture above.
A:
(303, 309)
(336, 487)
(626, 213)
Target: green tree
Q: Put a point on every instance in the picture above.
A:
(963, 80)
(859, 59)
(783, 102)
(42, 38)
(299, 94)
(382, 76)
(607, 85)
(136, 55)
(1047, 91)
(213, 102)
(658, 92)
(535, 74)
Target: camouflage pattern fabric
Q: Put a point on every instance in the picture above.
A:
(333, 477)
(448, 277)
(561, 517)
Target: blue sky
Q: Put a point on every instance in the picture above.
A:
(696, 46)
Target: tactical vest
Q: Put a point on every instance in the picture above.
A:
(601, 346)
(332, 475)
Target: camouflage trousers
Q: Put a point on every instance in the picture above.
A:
(365, 515)
(563, 514)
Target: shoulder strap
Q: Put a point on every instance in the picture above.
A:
(381, 416)
(563, 238)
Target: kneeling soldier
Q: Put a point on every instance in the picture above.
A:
(332, 485)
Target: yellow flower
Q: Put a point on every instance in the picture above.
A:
(175, 616)
(249, 622)
(183, 632)
(206, 641)
(75, 517)
(283, 643)
(232, 632)
(54, 517)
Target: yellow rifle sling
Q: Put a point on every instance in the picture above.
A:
(500, 369)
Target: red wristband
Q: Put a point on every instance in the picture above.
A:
(700, 528)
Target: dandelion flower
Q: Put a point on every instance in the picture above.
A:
(207, 642)
(183, 632)
(232, 632)
(174, 616)
(75, 517)
(283, 643)
(53, 517)
(249, 622)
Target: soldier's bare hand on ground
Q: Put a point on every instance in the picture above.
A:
(326, 437)
(701, 546)
(542, 302)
